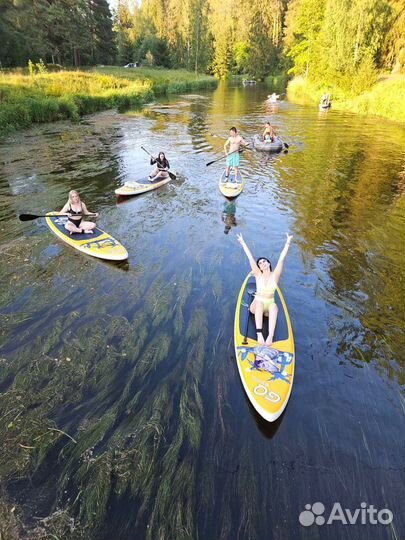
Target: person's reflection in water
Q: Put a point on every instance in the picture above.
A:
(228, 216)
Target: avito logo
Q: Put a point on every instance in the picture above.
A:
(366, 514)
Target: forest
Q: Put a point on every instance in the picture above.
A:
(343, 46)
(321, 39)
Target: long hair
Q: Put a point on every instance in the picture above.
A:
(71, 193)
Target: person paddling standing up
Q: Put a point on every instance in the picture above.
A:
(234, 142)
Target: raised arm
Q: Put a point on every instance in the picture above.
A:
(283, 254)
(253, 265)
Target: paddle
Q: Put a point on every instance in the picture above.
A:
(250, 292)
(223, 157)
(29, 217)
(172, 175)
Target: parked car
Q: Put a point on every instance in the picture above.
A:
(131, 65)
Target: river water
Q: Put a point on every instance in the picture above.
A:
(122, 412)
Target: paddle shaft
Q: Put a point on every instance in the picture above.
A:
(172, 175)
(29, 217)
(223, 157)
(245, 341)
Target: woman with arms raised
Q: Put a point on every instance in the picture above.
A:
(266, 284)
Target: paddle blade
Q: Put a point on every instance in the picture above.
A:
(28, 217)
(286, 145)
(173, 176)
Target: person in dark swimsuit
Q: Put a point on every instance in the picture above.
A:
(162, 166)
(76, 209)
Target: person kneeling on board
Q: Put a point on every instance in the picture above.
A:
(162, 166)
(266, 284)
(76, 209)
(269, 133)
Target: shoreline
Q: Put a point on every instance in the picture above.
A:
(385, 99)
(27, 100)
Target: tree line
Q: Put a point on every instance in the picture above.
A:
(65, 32)
(329, 40)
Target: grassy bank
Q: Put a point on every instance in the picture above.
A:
(385, 98)
(277, 83)
(46, 97)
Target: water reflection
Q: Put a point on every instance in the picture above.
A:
(228, 215)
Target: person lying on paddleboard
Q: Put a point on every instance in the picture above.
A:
(266, 284)
(76, 209)
(269, 133)
(162, 165)
(234, 141)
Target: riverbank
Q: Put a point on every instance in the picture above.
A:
(46, 97)
(385, 98)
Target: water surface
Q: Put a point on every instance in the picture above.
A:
(123, 415)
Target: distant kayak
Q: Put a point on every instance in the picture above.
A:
(267, 146)
(99, 244)
(228, 187)
(140, 186)
(324, 106)
(267, 373)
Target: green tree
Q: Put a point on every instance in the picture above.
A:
(393, 56)
(304, 20)
(102, 42)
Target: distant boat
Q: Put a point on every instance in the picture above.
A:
(273, 98)
(248, 82)
(325, 102)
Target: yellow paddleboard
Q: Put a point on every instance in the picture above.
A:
(140, 186)
(229, 188)
(99, 244)
(267, 373)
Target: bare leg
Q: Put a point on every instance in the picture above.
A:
(153, 173)
(88, 226)
(161, 175)
(273, 311)
(227, 170)
(256, 307)
(72, 228)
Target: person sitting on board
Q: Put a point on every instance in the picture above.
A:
(269, 133)
(266, 284)
(234, 141)
(325, 100)
(76, 209)
(162, 166)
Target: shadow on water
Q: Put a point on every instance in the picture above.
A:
(122, 416)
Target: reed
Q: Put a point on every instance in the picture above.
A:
(384, 98)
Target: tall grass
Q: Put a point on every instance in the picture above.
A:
(386, 98)
(45, 97)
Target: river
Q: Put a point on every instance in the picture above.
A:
(123, 414)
